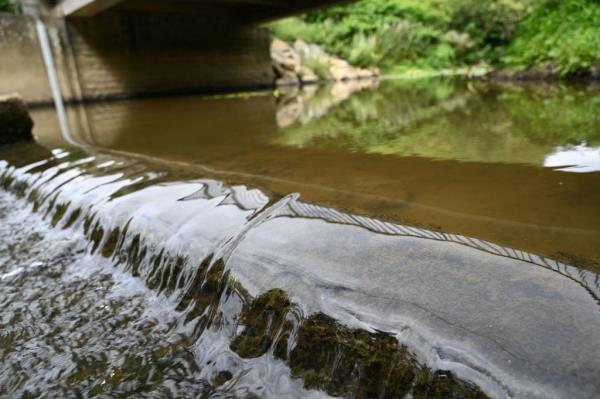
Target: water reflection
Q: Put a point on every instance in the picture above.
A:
(445, 119)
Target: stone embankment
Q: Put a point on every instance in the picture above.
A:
(303, 63)
(15, 121)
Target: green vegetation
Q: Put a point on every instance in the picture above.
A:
(7, 6)
(566, 33)
(437, 34)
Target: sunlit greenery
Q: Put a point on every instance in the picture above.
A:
(436, 34)
(566, 32)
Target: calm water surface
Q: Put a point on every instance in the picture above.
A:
(433, 238)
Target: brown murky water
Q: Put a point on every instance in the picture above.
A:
(435, 238)
(515, 165)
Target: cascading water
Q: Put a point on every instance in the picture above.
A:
(136, 279)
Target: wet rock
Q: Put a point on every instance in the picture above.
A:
(306, 63)
(342, 70)
(284, 56)
(348, 362)
(337, 359)
(15, 121)
(222, 378)
(261, 320)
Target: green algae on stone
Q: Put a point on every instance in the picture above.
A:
(72, 218)
(340, 360)
(26, 153)
(222, 377)
(443, 385)
(350, 362)
(6, 181)
(96, 237)
(59, 212)
(171, 273)
(155, 265)
(87, 223)
(207, 285)
(262, 320)
(134, 255)
(111, 243)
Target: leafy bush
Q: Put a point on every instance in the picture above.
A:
(7, 6)
(566, 32)
(435, 34)
(406, 42)
(489, 24)
(369, 32)
(293, 28)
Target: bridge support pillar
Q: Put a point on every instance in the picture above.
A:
(133, 54)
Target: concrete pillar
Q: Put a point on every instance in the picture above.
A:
(22, 67)
(129, 54)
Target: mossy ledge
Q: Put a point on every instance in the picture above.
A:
(337, 359)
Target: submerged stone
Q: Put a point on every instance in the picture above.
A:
(340, 360)
(262, 320)
(15, 121)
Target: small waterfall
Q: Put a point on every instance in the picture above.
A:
(224, 257)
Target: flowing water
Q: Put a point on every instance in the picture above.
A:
(435, 238)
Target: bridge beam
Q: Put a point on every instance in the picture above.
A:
(244, 11)
(128, 54)
(86, 8)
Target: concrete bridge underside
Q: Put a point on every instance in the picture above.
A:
(130, 48)
(243, 11)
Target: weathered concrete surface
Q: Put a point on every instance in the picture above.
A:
(22, 67)
(128, 54)
(133, 54)
(86, 8)
(244, 11)
(15, 122)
